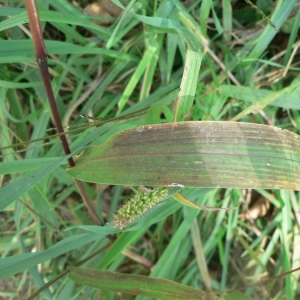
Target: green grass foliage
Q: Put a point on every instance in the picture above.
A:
(156, 62)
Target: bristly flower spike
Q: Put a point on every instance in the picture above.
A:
(137, 206)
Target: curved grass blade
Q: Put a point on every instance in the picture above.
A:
(195, 154)
(156, 288)
(184, 201)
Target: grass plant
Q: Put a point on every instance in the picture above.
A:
(143, 68)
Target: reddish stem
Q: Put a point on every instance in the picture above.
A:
(41, 58)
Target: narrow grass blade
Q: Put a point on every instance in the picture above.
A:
(147, 58)
(250, 94)
(195, 154)
(137, 285)
(52, 16)
(18, 263)
(194, 57)
(184, 201)
(16, 189)
(258, 106)
(188, 87)
(168, 25)
(282, 11)
(16, 50)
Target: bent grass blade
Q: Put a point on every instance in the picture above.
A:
(195, 154)
(184, 201)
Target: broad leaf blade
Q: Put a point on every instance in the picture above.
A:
(195, 154)
(157, 288)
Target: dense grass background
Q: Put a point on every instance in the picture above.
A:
(120, 68)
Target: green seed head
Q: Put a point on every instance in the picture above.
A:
(137, 206)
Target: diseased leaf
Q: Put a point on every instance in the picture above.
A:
(157, 288)
(195, 154)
